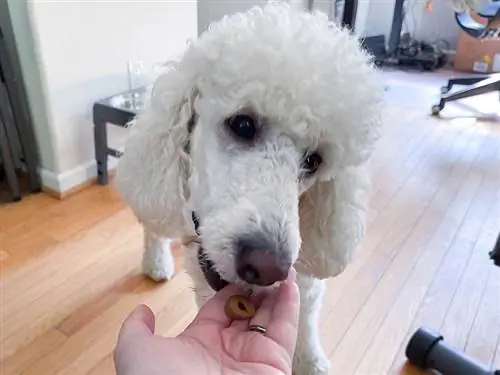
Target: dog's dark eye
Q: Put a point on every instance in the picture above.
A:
(242, 126)
(311, 163)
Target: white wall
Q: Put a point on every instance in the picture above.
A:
(82, 48)
(379, 18)
(213, 10)
(437, 25)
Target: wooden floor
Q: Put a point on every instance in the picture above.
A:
(70, 270)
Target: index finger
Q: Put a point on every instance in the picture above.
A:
(283, 327)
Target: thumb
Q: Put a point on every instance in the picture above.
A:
(140, 323)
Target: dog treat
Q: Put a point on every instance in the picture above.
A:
(239, 307)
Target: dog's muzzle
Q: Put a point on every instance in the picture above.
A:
(212, 277)
(255, 264)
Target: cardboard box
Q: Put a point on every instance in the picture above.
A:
(475, 55)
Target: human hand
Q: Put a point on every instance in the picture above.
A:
(213, 344)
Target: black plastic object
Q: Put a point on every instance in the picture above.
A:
(495, 253)
(428, 350)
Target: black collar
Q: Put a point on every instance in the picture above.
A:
(196, 222)
(211, 276)
(187, 148)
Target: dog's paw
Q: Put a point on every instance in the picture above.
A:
(158, 262)
(311, 366)
(158, 273)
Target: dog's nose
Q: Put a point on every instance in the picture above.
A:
(261, 266)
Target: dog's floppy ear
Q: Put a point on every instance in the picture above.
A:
(153, 172)
(332, 222)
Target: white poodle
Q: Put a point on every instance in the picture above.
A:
(262, 132)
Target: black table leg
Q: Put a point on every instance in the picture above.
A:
(101, 150)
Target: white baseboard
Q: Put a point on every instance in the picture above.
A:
(65, 181)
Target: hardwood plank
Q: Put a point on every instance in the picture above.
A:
(52, 308)
(496, 361)
(82, 250)
(390, 335)
(465, 304)
(485, 333)
(40, 287)
(389, 181)
(395, 203)
(366, 324)
(406, 133)
(416, 134)
(394, 333)
(99, 303)
(14, 215)
(434, 308)
(405, 159)
(54, 220)
(176, 314)
(19, 252)
(105, 367)
(387, 201)
(22, 255)
(166, 326)
(38, 348)
(98, 337)
(395, 227)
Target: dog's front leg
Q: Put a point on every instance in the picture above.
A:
(157, 260)
(310, 359)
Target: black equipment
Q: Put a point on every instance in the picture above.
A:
(408, 53)
(401, 50)
(427, 350)
(18, 146)
(495, 253)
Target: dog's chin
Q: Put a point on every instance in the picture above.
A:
(212, 277)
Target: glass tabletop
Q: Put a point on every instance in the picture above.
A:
(131, 101)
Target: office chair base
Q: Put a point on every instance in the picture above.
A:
(436, 109)
(428, 350)
(475, 86)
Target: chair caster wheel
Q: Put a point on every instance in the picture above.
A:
(420, 345)
(436, 109)
(445, 90)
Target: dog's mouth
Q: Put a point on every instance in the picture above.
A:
(212, 277)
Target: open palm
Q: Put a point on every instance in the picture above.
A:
(213, 344)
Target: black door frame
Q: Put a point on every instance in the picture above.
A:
(21, 111)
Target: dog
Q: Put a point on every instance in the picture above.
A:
(258, 139)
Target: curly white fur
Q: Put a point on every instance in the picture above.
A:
(313, 89)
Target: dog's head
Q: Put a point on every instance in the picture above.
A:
(262, 129)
